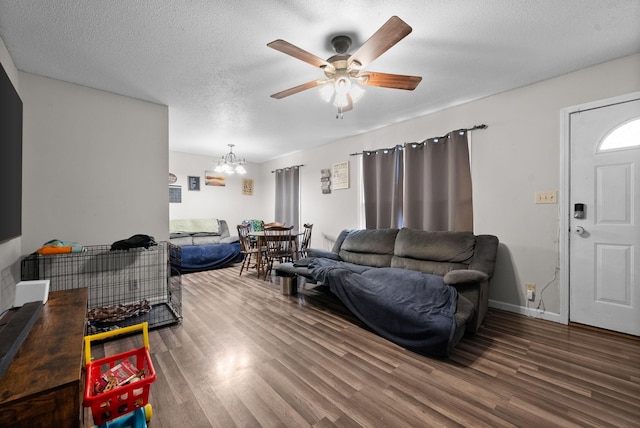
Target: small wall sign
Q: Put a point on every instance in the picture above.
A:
(247, 186)
(325, 180)
(341, 175)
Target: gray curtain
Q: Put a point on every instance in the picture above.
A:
(382, 178)
(288, 196)
(438, 184)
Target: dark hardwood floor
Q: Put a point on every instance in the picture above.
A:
(247, 356)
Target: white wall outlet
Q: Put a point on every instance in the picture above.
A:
(550, 197)
(531, 290)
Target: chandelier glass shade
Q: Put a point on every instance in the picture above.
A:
(230, 163)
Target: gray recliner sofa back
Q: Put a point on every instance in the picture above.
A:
(433, 252)
(440, 252)
(372, 247)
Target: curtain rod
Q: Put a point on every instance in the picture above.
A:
(473, 128)
(292, 166)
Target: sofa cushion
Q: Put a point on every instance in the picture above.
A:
(433, 252)
(182, 240)
(370, 247)
(426, 266)
(451, 247)
(194, 225)
(204, 240)
(318, 252)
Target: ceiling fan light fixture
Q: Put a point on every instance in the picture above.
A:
(342, 85)
(326, 92)
(341, 100)
(356, 92)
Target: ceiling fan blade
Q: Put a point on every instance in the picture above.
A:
(296, 52)
(386, 80)
(394, 30)
(298, 88)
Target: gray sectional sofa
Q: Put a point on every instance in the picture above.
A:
(204, 243)
(460, 260)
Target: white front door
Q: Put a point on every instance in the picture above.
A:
(604, 245)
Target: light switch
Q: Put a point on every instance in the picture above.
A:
(550, 197)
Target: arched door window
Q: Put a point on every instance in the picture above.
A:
(624, 136)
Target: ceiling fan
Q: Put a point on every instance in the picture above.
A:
(344, 72)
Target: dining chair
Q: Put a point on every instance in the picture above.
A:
(306, 239)
(279, 246)
(248, 249)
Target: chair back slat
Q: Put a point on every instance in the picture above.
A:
(243, 236)
(306, 239)
(279, 246)
(278, 241)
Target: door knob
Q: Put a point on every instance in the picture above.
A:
(578, 229)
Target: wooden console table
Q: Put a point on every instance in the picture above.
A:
(43, 385)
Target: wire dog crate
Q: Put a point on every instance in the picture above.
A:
(126, 287)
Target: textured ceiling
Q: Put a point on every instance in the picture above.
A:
(208, 61)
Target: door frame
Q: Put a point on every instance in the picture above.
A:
(565, 187)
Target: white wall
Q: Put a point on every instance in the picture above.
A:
(226, 203)
(94, 165)
(516, 156)
(9, 250)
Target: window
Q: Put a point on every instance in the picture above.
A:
(624, 136)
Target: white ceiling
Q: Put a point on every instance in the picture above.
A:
(208, 60)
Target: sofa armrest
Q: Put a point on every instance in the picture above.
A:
(485, 253)
(464, 276)
(223, 229)
(473, 285)
(317, 252)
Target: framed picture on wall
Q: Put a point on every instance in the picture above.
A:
(175, 194)
(194, 183)
(212, 178)
(341, 175)
(247, 186)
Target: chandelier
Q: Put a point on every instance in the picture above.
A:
(230, 163)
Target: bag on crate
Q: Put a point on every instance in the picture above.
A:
(136, 241)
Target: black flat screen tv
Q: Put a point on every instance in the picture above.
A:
(10, 159)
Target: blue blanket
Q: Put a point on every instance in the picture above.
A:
(209, 256)
(413, 309)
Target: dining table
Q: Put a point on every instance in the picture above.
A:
(260, 244)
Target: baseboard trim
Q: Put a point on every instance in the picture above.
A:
(532, 313)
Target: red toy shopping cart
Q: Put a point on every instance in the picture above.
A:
(118, 385)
